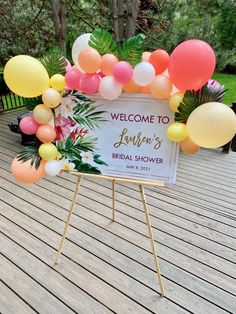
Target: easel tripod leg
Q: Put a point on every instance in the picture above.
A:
(154, 248)
(68, 219)
(113, 200)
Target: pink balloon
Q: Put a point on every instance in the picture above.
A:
(191, 64)
(213, 84)
(72, 78)
(89, 83)
(68, 66)
(123, 72)
(28, 125)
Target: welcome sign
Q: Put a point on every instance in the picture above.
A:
(123, 138)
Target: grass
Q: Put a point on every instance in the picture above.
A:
(229, 82)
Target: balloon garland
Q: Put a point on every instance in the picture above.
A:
(101, 65)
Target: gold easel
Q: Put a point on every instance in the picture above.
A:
(113, 179)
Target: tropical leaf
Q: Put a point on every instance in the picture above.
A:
(103, 42)
(54, 63)
(99, 161)
(84, 167)
(30, 103)
(131, 50)
(30, 152)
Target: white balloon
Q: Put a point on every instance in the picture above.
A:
(109, 88)
(80, 43)
(52, 168)
(144, 73)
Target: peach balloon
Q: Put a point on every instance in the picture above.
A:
(146, 55)
(89, 60)
(188, 146)
(46, 133)
(25, 173)
(108, 62)
(145, 89)
(131, 87)
(42, 114)
(161, 87)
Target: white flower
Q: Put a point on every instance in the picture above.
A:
(66, 108)
(67, 165)
(87, 157)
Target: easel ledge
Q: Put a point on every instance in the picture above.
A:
(141, 184)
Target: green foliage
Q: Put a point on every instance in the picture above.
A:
(229, 82)
(131, 50)
(30, 103)
(30, 152)
(193, 99)
(96, 158)
(103, 42)
(84, 167)
(54, 63)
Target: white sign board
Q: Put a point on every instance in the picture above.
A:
(129, 138)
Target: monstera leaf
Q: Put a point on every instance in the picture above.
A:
(54, 63)
(103, 42)
(131, 50)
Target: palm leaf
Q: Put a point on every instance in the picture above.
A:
(131, 50)
(54, 63)
(30, 153)
(103, 42)
(30, 103)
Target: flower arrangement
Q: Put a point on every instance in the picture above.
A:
(103, 66)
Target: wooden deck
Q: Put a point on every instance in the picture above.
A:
(108, 267)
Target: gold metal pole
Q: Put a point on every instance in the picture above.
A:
(154, 248)
(68, 218)
(113, 200)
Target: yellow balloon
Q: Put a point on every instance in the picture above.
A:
(42, 114)
(51, 98)
(177, 132)
(175, 100)
(26, 76)
(58, 82)
(48, 151)
(212, 125)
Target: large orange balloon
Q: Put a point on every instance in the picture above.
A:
(89, 60)
(161, 87)
(25, 173)
(46, 134)
(145, 89)
(188, 146)
(160, 60)
(131, 87)
(107, 63)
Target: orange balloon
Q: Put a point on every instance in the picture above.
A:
(46, 133)
(25, 173)
(131, 87)
(146, 55)
(160, 60)
(188, 146)
(145, 89)
(89, 60)
(161, 87)
(108, 62)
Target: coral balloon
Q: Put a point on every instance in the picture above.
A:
(177, 132)
(161, 87)
(109, 88)
(28, 125)
(89, 60)
(188, 146)
(26, 76)
(25, 173)
(89, 83)
(51, 98)
(107, 63)
(52, 168)
(144, 73)
(191, 64)
(211, 125)
(160, 60)
(123, 72)
(58, 82)
(146, 55)
(73, 77)
(46, 133)
(82, 42)
(131, 87)
(175, 100)
(48, 151)
(42, 114)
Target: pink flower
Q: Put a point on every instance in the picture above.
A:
(63, 127)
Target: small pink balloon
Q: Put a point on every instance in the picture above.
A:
(68, 66)
(28, 125)
(67, 89)
(72, 78)
(123, 72)
(89, 83)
